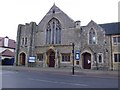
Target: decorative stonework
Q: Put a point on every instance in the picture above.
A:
(71, 31)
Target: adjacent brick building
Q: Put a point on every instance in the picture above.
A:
(50, 43)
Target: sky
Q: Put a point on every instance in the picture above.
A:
(14, 12)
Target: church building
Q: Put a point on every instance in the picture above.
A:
(58, 41)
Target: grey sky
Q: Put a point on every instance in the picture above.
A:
(14, 12)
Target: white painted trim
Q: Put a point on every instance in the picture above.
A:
(65, 62)
(113, 56)
(98, 58)
(117, 43)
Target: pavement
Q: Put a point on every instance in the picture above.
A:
(66, 71)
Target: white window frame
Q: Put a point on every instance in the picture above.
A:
(117, 43)
(38, 58)
(101, 57)
(117, 40)
(95, 36)
(113, 40)
(117, 57)
(65, 61)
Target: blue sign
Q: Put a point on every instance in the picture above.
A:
(77, 55)
(31, 59)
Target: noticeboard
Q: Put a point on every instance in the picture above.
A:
(31, 59)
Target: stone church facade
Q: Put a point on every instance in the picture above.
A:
(50, 42)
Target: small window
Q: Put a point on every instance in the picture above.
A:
(116, 57)
(22, 41)
(66, 57)
(119, 57)
(77, 62)
(114, 40)
(119, 39)
(26, 41)
(100, 58)
(53, 11)
(40, 57)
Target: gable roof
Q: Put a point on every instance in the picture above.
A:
(111, 28)
(57, 13)
(8, 53)
(55, 9)
(1, 41)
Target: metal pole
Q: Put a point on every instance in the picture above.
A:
(73, 58)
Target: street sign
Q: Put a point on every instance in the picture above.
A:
(31, 59)
(77, 55)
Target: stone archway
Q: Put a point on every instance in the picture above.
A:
(22, 58)
(86, 60)
(51, 58)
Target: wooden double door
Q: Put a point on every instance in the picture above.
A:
(52, 59)
(22, 58)
(86, 60)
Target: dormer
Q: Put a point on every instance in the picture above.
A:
(6, 40)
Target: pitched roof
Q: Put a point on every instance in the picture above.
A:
(111, 28)
(8, 53)
(57, 13)
(1, 41)
(55, 9)
(11, 43)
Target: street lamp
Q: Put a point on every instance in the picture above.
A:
(73, 57)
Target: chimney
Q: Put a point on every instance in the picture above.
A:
(77, 24)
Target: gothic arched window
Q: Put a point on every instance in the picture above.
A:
(92, 36)
(53, 32)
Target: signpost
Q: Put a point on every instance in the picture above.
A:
(77, 55)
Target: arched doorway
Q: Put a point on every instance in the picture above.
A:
(86, 61)
(22, 58)
(51, 58)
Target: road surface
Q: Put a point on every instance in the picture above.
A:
(32, 79)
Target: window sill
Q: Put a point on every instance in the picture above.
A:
(39, 61)
(65, 62)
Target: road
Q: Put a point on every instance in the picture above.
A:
(32, 79)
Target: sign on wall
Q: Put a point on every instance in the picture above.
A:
(31, 59)
(77, 55)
